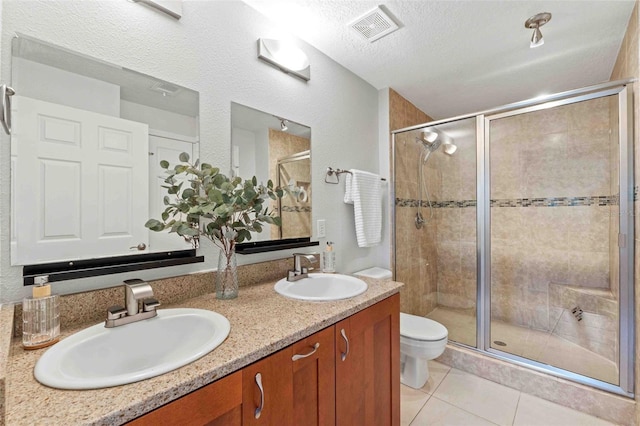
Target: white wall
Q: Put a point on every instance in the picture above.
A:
(212, 49)
(384, 167)
(159, 119)
(57, 86)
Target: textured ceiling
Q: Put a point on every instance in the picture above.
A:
(456, 57)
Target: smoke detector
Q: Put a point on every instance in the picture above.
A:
(167, 89)
(374, 25)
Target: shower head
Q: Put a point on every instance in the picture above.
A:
(449, 148)
(429, 140)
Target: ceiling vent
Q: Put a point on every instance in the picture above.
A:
(374, 25)
(167, 89)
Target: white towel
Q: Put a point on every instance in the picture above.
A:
(362, 189)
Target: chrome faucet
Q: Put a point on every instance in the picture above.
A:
(298, 272)
(139, 304)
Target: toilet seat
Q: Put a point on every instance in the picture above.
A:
(422, 329)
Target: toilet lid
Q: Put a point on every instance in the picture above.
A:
(420, 328)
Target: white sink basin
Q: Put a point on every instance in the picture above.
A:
(99, 357)
(322, 287)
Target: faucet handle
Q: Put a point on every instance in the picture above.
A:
(115, 312)
(150, 304)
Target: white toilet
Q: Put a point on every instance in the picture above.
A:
(421, 340)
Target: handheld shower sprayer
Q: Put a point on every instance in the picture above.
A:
(430, 140)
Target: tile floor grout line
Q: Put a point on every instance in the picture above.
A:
(515, 413)
(443, 377)
(421, 408)
(468, 412)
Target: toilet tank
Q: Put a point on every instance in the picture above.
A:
(375, 272)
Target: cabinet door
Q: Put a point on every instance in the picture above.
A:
(368, 366)
(217, 404)
(313, 365)
(267, 391)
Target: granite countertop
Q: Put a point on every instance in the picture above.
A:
(262, 322)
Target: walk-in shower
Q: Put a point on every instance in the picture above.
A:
(524, 253)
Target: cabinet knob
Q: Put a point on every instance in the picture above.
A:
(259, 383)
(343, 355)
(140, 247)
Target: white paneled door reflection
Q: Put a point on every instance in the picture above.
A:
(81, 183)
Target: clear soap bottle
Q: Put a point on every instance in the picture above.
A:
(329, 259)
(40, 316)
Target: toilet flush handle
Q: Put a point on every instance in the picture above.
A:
(343, 355)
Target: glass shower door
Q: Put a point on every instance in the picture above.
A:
(435, 225)
(554, 194)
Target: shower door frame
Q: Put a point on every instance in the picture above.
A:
(298, 156)
(626, 239)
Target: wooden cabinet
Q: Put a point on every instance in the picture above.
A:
(295, 386)
(368, 366)
(267, 390)
(217, 404)
(314, 380)
(347, 374)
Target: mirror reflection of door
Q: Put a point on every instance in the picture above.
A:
(87, 142)
(81, 182)
(274, 148)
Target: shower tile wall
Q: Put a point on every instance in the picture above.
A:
(296, 215)
(628, 66)
(416, 256)
(540, 248)
(456, 224)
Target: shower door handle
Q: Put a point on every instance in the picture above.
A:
(5, 114)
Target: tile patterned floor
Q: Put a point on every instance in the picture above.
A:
(454, 398)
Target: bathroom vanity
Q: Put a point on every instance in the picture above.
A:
(344, 374)
(284, 362)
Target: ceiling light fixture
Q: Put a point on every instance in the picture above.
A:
(534, 23)
(286, 57)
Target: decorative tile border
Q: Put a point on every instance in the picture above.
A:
(296, 209)
(601, 200)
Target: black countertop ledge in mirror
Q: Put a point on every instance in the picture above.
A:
(70, 270)
(274, 245)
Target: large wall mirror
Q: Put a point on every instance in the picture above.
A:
(272, 147)
(86, 144)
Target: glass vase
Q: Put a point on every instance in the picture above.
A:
(227, 275)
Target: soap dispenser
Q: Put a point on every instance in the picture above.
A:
(40, 316)
(329, 259)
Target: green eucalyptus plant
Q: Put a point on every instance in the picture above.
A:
(206, 203)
